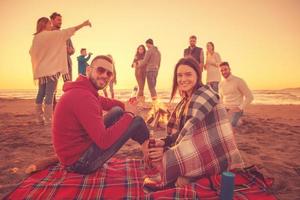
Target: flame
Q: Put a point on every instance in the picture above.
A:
(159, 110)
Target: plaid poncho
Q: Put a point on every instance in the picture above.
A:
(205, 145)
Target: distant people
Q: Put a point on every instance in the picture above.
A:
(151, 62)
(82, 61)
(48, 57)
(234, 93)
(83, 138)
(195, 52)
(112, 81)
(213, 61)
(200, 141)
(140, 72)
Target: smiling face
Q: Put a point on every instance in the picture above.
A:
(186, 79)
(99, 75)
(210, 47)
(56, 22)
(225, 71)
(193, 42)
(141, 50)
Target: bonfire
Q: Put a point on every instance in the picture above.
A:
(158, 115)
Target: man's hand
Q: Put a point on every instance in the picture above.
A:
(87, 23)
(131, 105)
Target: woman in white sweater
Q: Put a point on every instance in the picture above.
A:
(49, 60)
(213, 61)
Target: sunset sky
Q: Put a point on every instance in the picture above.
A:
(259, 38)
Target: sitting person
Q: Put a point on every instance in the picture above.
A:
(200, 140)
(82, 138)
(234, 94)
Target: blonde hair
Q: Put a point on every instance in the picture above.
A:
(41, 24)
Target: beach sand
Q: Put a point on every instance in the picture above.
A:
(269, 138)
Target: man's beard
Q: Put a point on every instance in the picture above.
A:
(56, 27)
(94, 82)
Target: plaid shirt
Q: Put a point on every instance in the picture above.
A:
(205, 145)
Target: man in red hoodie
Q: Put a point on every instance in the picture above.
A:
(82, 138)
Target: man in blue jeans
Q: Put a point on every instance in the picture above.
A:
(151, 62)
(83, 138)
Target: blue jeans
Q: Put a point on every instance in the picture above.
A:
(46, 91)
(95, 157)
(235, 118)
(151, 80)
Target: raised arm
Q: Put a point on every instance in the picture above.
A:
(83, 24)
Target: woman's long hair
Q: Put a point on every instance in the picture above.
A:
(213, 47)
(41, 24)
(138, 55)
(191, 62)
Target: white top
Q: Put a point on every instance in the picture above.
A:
(49, 53)
(234, 92)
(212, 67)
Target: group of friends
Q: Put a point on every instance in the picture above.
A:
(199, 138)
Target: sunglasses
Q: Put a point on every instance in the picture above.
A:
(101, 70)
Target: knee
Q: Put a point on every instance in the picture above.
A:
(140, 122)
(117, 110)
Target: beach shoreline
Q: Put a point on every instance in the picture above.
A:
(269, 139)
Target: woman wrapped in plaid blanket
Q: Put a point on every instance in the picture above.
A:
(200, 141)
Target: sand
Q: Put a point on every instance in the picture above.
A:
(269, 138)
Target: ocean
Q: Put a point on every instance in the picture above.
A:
(267, 97)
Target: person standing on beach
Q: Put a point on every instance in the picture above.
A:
(112, 81)
(213, 61)
(234, 93)
(48, 57)
(140, 73)
(83, 138)
(151, 62)
(82, 61)
(56, 20)
(195, 52)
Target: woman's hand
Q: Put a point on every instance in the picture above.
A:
(156, 154)
(159, 143)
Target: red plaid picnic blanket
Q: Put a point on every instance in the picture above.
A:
(123, 179)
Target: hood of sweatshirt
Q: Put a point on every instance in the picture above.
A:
(82, 82)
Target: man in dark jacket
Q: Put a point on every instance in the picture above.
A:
(195, 52)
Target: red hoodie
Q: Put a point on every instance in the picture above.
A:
(78, 121)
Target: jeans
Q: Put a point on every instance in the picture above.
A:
(140, 75)
(235, 118)
(151, 79)
(95, 157)
(46, 91)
